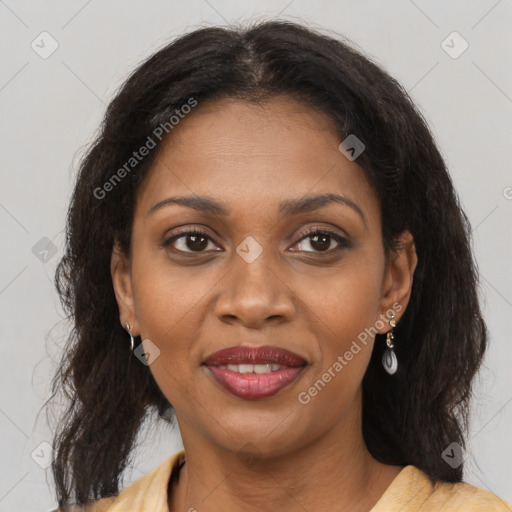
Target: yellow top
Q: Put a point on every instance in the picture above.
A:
(410, 491)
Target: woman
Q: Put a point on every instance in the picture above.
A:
(264, 241)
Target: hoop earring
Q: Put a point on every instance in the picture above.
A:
(132, 342)
(389, 360)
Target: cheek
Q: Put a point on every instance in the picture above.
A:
(167, 297)
(345, 342)
(169, 305)
(168, 312)
(348, 302)
(345, 313)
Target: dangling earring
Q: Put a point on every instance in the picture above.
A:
(389, 360)
(132, 343)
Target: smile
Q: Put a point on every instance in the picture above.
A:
(254, 373)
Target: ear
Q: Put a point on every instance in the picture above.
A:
(398, 278)
(122, 282)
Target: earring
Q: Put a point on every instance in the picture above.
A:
(389, 360)
(132, 343)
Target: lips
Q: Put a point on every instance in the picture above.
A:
(254, 372)
(257, 355)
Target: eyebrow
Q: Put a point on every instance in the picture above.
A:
(289, 207)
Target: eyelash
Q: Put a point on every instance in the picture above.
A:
(343, 242)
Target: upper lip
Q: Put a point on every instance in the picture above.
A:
(254, 355)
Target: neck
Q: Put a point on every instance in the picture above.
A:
(334, 472)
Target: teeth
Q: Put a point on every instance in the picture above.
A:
(253, 368)
(245, 368)
(262, 368)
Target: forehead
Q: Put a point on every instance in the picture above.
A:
(249, 154)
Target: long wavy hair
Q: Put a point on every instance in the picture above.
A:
(408, 418)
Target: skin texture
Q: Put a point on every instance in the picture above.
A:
(244, 454)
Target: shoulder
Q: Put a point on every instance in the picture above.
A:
(146, 493)
(463, 496)
(413, 491)
(458, 497)
(101, 505)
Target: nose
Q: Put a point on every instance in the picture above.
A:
(254, 294)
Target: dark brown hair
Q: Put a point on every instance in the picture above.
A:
(408, 418)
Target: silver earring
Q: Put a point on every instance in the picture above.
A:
(389, 360)
(132, 343)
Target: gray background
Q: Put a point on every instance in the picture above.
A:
(51, 107)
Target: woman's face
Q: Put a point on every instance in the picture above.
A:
(257, 275)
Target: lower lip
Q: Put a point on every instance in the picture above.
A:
(253, 386)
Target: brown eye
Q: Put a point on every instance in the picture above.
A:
(322, 241)
(195, 242)
(189, 241)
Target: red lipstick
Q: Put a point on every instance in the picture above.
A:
(254, 372)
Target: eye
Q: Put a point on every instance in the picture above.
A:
(189, 241)
(196, 240)
(321, 240)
